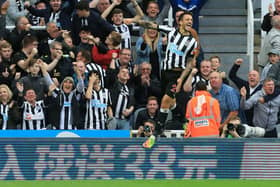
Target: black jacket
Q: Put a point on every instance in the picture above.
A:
(97, 26)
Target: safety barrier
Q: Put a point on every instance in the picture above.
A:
(92, 158)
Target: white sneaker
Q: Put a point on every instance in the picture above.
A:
(253, 131)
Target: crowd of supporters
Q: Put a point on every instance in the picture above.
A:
(84, 71)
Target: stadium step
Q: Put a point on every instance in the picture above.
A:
(223, 32)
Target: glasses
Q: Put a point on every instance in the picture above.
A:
(126, 54)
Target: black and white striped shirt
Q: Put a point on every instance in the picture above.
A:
(96, 114)
(66, 105)
(122, 102)
(33, 116)
(93, 66)
(179, 48)
(124, 31)
(4, 109)
(198, 78)
(129, 66)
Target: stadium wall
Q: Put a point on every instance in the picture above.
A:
(125, 158)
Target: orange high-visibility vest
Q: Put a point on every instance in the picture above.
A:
(203, 113)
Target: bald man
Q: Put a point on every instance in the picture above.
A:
(227, 96)
(252, 85)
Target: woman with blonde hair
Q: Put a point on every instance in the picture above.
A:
(150, 48)
(9, 113)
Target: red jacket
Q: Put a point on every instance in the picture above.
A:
(203, 113)
(103, 59)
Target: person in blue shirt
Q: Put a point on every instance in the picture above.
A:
(227, 96)
(192, 6)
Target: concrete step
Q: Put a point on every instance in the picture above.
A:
(219, 4)
(223, 12)
(224, 48)
(223, 21)
(223, 39)
(222, 30)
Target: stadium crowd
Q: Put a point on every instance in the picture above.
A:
(83, 71)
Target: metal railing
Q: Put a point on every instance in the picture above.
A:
(250, 33)
(167, 133)
(11, 27)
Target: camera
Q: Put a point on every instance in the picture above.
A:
(230, 127)
(147, 129)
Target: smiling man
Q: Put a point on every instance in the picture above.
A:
(179, 58)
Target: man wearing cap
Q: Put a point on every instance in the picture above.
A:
(273, 58)
(274, 71)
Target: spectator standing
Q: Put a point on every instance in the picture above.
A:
(274, 58)
(85, 57)
(227, 96)
(34, 80)
(64, 108)
(7, 70)
(216, 65)
(192, 6)
(274, 73)
(58, 66)
(146, 85)
(265, 114)
(150, 47)
(99, 105)
(35, 20)
(22, 58)
(271, 41)
(103, 54)
(22, 29)
(4, 5)
(15, 11)
(9, 112)
(123, 101)
(118, 21)
(86, 18)
(252, 85)
(203, 113)
(266, 24)
(54, 13)
(33, 112)
(195, 77)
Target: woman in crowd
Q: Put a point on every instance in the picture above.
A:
(9, 113)
(150, 48)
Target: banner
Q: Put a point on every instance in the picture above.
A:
(65, 133)
(91, 158)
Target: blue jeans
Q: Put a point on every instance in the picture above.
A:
(120, 124)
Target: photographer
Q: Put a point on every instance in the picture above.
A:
(233, 129)
(147, 129)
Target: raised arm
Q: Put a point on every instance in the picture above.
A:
(110, 8)
(91, 81)
(23, 64)
(139, 12)
(147, 24)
